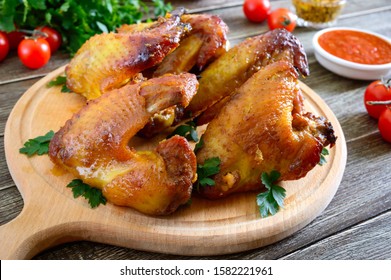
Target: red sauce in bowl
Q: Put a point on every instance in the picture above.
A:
(356, 46)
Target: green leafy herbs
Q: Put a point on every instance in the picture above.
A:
(161, 8)
(60, 81)
(270, 201)
(199, 145)
(38, 145)
(188, 130)
(324, 153)
(93, 195)
(210, 167)
(77, 20)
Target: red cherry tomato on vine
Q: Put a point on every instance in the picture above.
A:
(53, 37)
(282, 18)
(34, 53)
(385, 124)
(377, 91)
(256, 10)
(4, 46)
(14, 38)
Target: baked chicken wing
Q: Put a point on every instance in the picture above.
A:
(93, 145)
(227, 73)
(262, 128)
(206, 41)
(109, 60)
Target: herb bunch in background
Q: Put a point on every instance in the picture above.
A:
(77, 20)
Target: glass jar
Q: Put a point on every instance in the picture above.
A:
(318, 13)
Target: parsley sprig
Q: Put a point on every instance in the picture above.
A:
(210, 167)
(188, 130)
(60, 81)
(93, 195)
(269, 202)
(324, 153)
(38, 145)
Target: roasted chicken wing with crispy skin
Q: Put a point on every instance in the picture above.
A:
(109, 60)
(227, 73)
(93, 145)
(262, 128)
(205, 42)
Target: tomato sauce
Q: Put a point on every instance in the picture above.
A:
(356, 46)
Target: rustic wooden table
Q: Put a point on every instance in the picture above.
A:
(357, 222)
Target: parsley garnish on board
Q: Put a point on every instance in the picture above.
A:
(188, 130)
(210, 167)
(93, 195)
(269, 202)
(324, 153)
(60, 81)
(77, 20)
(38, 145)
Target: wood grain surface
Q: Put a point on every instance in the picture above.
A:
(355, 225)
(205, 227)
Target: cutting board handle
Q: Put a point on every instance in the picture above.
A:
(34, 230)
(39, 227)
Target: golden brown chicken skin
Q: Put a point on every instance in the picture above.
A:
(93, 145)
(227, 73)
(263, 128)
(107, 61)
(205, 42)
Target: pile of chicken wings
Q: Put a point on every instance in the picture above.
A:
(147, 78)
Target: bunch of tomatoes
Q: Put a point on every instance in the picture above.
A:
(260, 10)
(377, 100)
(34, 48)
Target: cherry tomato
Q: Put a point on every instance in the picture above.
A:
(282, 18)
(53, 37)
(34, 53)
(377, 91)
(4, 46)
(385, 124)
(14, 38)
(256, 10)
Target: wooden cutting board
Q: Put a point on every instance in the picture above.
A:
(52, 216)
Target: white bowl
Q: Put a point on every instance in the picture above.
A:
(347, 68)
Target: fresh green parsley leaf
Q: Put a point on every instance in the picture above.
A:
(60, 81)
(64, 88)
(199, 145)
(269, 202)
(38, 145)
(210, 167)
(93, 195)
(160, 8)
(188, 130)
(324, 153)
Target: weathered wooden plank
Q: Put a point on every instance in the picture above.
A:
(6, 179)
(12, 70)
(368, 240)
(197, 6)
(11, 204)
